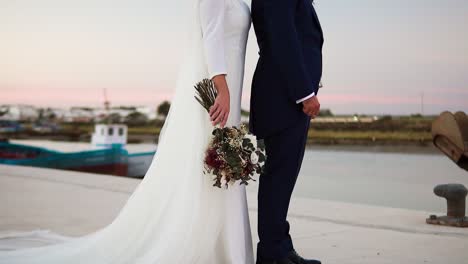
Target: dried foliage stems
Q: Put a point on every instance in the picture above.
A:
(206, 93)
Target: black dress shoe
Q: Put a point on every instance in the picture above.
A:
(296, 259)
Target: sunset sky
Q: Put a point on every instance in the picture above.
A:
(380, 56)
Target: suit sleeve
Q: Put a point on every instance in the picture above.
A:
(285, 47)
(212, 23)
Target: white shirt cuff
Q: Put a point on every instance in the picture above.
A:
(305, 98)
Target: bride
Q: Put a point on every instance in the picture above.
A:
(175, 215)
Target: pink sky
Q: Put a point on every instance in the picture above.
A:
(64, 53)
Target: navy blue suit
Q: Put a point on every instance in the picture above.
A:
(289, 68)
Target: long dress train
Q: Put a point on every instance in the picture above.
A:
(174, 215)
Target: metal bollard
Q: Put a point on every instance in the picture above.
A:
(456, 206)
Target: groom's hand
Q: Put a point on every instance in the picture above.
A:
(311, 106)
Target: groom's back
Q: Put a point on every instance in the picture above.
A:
(284, 28)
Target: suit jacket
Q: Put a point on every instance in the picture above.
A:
(289, 68)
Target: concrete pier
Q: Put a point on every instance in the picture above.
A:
(73, 204)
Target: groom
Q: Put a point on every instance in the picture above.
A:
(283, 99)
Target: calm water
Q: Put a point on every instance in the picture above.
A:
(385, 179)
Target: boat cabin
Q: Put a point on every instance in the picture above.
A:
(109, 136)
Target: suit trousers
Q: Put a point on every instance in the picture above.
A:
(285, 152)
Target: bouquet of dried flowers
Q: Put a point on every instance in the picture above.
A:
(233, 154)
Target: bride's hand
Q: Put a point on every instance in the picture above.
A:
(219, 112)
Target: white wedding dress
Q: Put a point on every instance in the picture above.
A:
(175, 215)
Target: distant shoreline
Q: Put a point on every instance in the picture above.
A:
(387, 135)
(403, 149)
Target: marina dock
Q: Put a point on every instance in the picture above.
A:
(74, 204)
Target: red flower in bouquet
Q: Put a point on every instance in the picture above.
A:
(212, 159)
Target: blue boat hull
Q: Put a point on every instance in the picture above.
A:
(105, 161)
